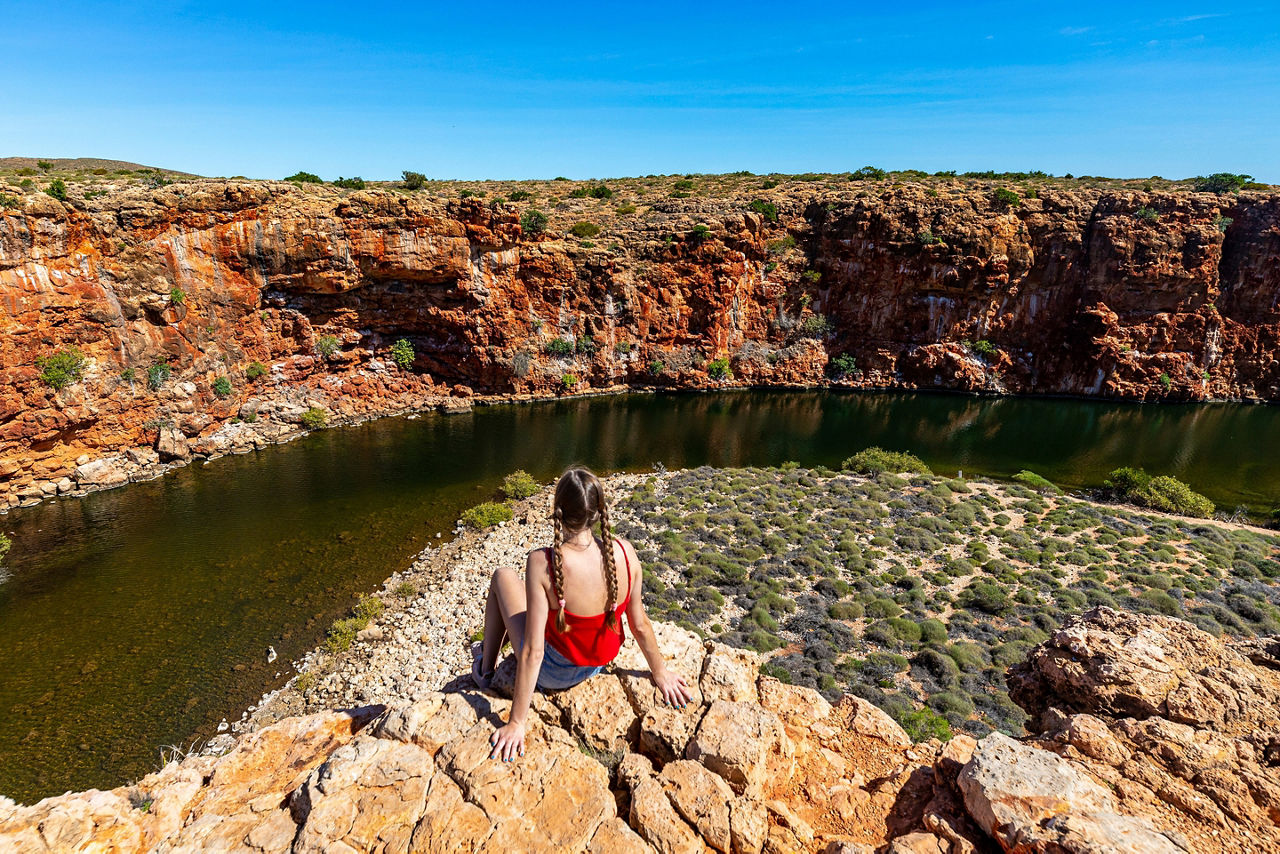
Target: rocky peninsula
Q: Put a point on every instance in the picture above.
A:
(148, 322)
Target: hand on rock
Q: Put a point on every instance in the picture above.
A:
(508, 742)
(675, 691)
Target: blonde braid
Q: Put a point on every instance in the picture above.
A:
(557, 572)
(610, 574)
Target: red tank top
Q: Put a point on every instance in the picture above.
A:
(589, 642)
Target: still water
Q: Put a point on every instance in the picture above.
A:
(140, 617)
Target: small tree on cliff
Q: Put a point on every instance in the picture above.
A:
(533, 222)
(402, 354)
(1006, 198)
(413, 180)
(62, 368)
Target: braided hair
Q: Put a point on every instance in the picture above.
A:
(579, 504)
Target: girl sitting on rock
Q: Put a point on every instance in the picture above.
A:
(565, 619)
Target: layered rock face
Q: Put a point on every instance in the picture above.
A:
(1154, 738)
(165, 291)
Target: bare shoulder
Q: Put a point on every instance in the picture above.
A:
(536, 561)
(629, 553)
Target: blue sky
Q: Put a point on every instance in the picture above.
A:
(500, 90)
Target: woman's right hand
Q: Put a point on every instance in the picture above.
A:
(675, 691)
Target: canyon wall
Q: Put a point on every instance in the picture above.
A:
(166, 291)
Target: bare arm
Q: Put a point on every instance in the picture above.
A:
(675, 691)
(508, 741)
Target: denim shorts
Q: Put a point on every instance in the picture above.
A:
(559, 673)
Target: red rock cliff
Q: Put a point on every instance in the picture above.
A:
(1134, 295)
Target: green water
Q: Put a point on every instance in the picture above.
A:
(127, 612)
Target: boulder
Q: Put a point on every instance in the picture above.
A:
(1021, 795)
(171, 444)
(743, 743)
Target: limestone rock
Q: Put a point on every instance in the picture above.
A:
(172, 444)
(702, 798)
(1020, 795)
(745, 744)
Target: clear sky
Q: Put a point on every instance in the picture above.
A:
(495, 90)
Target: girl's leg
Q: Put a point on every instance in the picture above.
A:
(504, 615)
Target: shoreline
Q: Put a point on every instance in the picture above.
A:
(121, 468)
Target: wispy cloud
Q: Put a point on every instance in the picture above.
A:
(1187, 19)
(1074, 31)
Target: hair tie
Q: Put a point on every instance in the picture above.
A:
(561, 604)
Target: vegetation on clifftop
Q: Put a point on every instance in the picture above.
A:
(916, 591)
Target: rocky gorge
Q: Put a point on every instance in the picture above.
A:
(206, 317)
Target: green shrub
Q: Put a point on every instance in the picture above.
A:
(1221, 182)
(520, 195)
(45, 165)
(157, 375)
(11, 202)
(519, 484)
(58, 189)
(413, 180)
(63, 368)
(305, 178)
(486, 515)
(560, 347)
(356, 183)
(314, 418)
(342, 633)
(5, 545)
(698, 234)
(844, 611)
(129, 375)
(1160, 493)
(177, 296)
(905, 630)
(402, 354)
(584, 229)
(1036, 482)
(1173, 496)
(533, 222)
(876, 460)
(406, 590)
(842, 366)
(369, 608)
(222, 387)
(600, 191)
(1222, 223)
(718, 369)
(1147, 214)
(868, 173)
(986, 597)
(254, 371)
(568, 381)
(1125, 481)
(1006, 198)
(625, 210)
(815, 326)
(326, 345)
(1166, 381)
(923, 724)
(682, 184)
(767, 210)
(657, 367)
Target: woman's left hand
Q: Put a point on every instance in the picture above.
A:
(508, 742)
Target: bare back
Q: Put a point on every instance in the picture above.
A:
(585, 590)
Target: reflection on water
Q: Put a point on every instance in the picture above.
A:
(128, 612)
